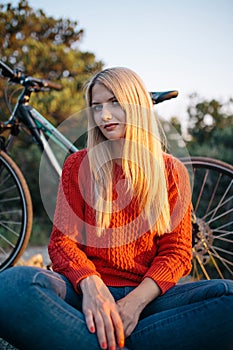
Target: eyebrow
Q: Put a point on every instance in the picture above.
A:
(109, 100)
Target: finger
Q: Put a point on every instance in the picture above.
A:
(89, 321)
(109, 331)
(100, 331)
(119, 329)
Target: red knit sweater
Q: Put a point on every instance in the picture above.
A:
(127, 251)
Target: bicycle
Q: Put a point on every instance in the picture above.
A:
(211, 181)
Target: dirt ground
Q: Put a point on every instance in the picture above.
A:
(30, 254)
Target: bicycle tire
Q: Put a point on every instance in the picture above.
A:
(16, 212)
(212, 198)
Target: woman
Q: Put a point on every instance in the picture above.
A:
(121, 241)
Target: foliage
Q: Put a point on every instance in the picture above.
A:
(210, 126)
(47, 48)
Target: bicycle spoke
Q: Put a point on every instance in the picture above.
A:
(9, 199)
(5, 178)
(201, 191)
(2, 251)
(224, 261)
(7, 241)
(15, 211)
(11, 222)
(221, 238)
(222, 233)
(201, 266)
(225, 225)
(215, 264)
(219, 206)
(220, 203)
(220, 216)
(8, 189)
(9, 229)
(213, 194)
(224, 251)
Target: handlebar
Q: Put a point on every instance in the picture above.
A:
(16, 76)
(6, 71)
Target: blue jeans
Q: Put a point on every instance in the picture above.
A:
(39, 310)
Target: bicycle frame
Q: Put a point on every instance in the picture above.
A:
(43, 126)
(39, 127)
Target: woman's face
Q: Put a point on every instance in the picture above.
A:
(107, 112)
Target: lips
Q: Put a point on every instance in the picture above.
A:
(110, 126)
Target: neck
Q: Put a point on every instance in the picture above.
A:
(117, 150)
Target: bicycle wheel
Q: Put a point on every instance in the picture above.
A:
(212, 185)
(15, 212)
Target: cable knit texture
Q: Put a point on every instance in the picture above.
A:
(127, 251)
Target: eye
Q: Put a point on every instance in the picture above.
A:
(97, 107)
(115, 103)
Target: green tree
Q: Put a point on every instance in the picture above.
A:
(210, 127)
(47, 48)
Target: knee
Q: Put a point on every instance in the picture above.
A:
(15, 278)
(51, 281)
(222, 287)
(14, 282)
(228, 284)
(21, 280)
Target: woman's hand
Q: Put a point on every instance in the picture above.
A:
(131, 306)
(129, 309)
(101, 313)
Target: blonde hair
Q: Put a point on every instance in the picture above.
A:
(142, 157)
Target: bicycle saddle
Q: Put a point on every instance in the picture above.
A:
(160, 96)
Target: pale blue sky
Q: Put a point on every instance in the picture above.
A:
(184, 44)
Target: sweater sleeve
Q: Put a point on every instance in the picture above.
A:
(173, 258)
(66, 247)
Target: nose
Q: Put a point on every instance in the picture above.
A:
(106, 114)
